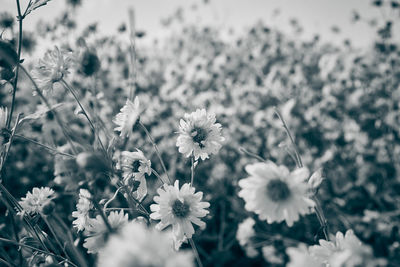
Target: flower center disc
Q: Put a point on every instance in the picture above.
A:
(135, 166)
(180, 209)
(278, 190)
(199, 135)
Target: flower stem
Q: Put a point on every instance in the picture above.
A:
(192, 171)
(55, 151)
(15, 83)
(55, 236)
(58, 119)
(251, 154)
(157, 151)
(103, 216)
(196, 254)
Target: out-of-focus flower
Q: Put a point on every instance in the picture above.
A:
(4, 132)
(346, 251)
(135, 166)
(89, 63)
(199, 135)
(128, 117)
(300, 257)
(96, 231)
(270, 255)
(82, 210)
(52, 68)
(245, 231)
(275, 193)
(179, 208)
(137, 245)
(6, 20)
(28, 42)
(35, 202)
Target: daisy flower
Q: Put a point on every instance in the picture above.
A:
(51, 69)
(245, 231)
(135, 166)
(300, 257)
(199, 135)
(346, 251)
(4, 132)
(96, 231)
(138, 245)
(179, 208)
(83, 208)
(35, 201)
(275, 193)
(128, 117)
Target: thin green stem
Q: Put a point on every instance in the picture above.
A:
(55, 236)
(103, 216)
(192, 170)
(157, 151)
(36, 249)
(55, 114)
(251, 154)
(54, 150)
(195, 252)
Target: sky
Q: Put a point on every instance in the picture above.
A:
(316, 16)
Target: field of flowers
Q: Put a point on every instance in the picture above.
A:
(269, 150)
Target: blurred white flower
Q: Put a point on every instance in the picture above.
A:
(275, 193)
(270, 255)
(346, 251)
(199, 135)
(245, 231)
(96, 231)
(137, 245)
(4, 133)
(51, 69)
(300, 257)
(179, 208)
(35, 201)
(83, 208)
(135, 166)
(128, 117)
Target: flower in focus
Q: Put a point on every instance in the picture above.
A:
(128, 117)
(83, 208)
(346, 251)
(51, 69)
(137, 245)
(35, 201)
(135, 166)
(199, 135)
(96, 231)
(179, 208)
(275, 193)
(245, 231)
(300, 256)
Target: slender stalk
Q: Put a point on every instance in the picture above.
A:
(55, 236)
(251, 154)
(192, 170)
(103, 216)
(58, 119)
(6, 263)
(157, 151)
(54, 150)
(36, 249)
(132, 69)
(15, 83)
(157, 175)
(195, 252)
(318, 209)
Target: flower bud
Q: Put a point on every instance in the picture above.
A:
(316, 179)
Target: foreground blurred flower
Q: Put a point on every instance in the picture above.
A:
(35, 202)
(179, 208)
(128, 117)
(346, 251)
(135, 166)
(137, 245)
(96, 231)
(83, 208)
(276, 194)
(6, 20)
(245, 231)
(199, 135)
(51, 69)
(300, 256)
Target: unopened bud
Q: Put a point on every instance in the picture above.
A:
(316, 179)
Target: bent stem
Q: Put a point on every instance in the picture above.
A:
(318, 209)
(157, 151)
(55, 151)
(55, 236)
(195, 252)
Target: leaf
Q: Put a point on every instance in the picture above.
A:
(35, 5)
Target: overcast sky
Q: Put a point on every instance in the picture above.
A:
(316, 16)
